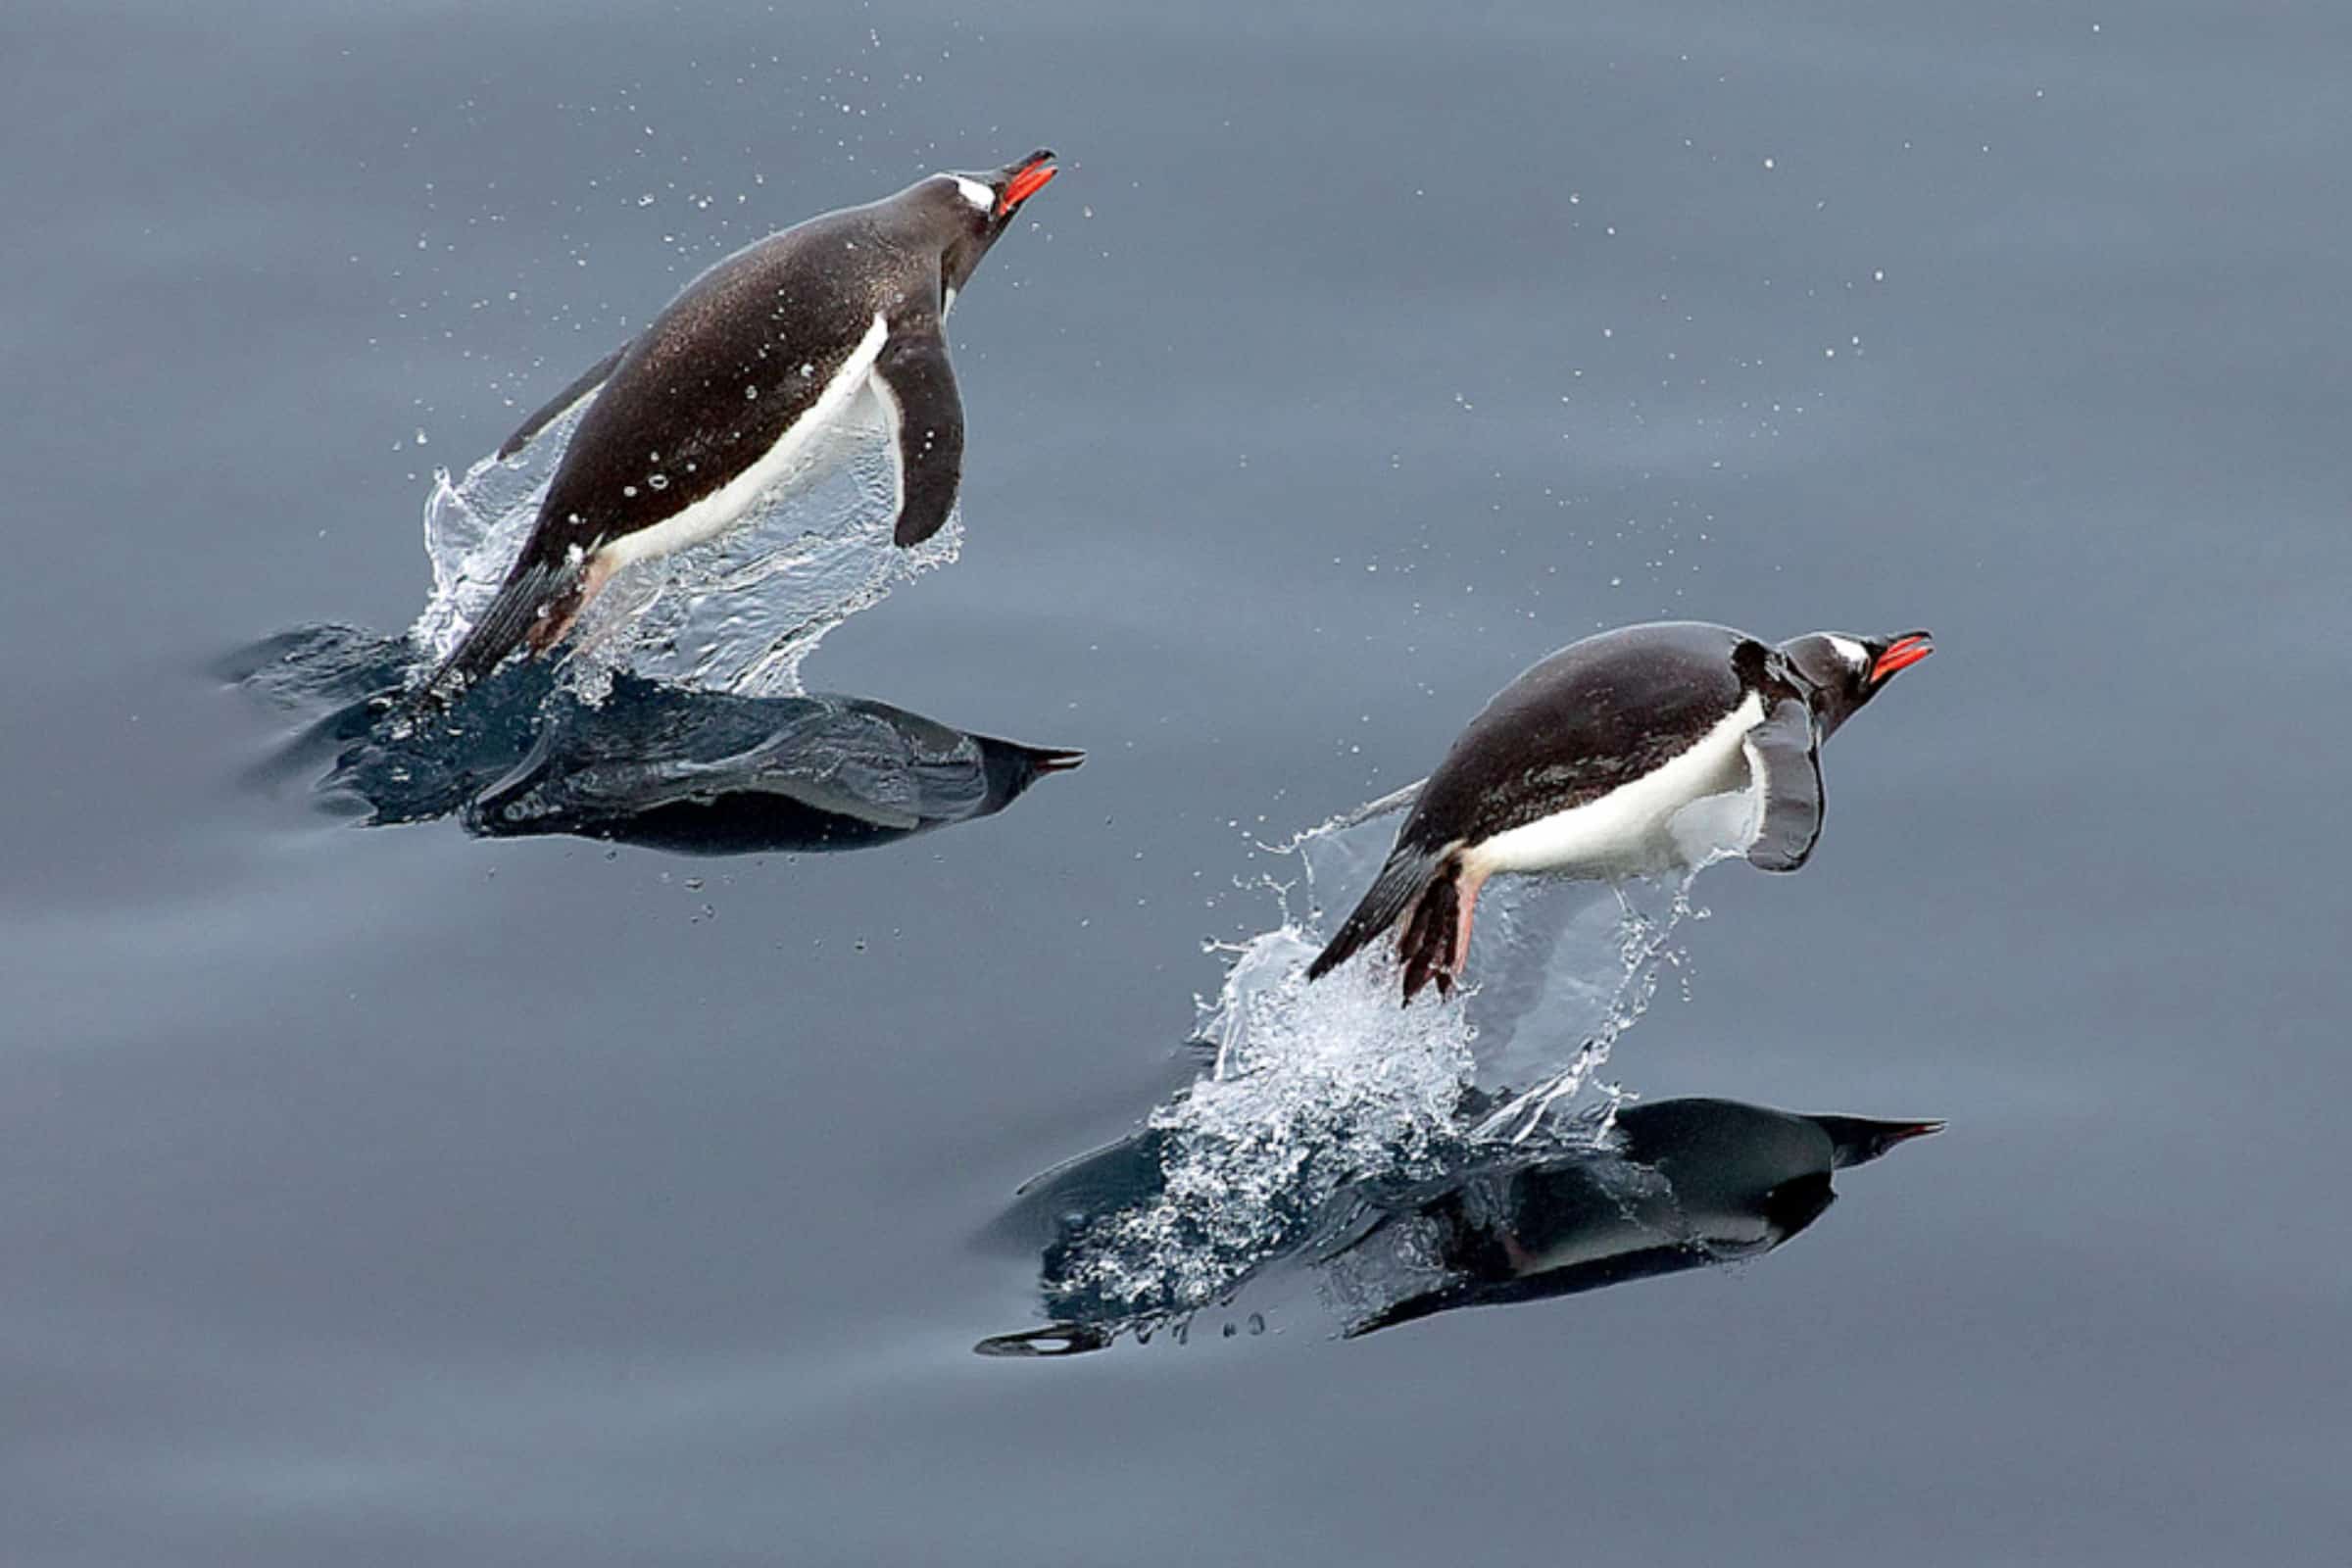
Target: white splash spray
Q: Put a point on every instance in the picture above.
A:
(1315, 1087)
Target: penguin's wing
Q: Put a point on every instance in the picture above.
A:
(588, 381)
(918, 388)
(1787, 762)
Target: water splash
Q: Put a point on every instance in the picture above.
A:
(1559, 971)
(1315, 1091)
(1643, 950)
(739, 615)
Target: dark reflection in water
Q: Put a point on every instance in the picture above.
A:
(1682, 1184)
(692, 772)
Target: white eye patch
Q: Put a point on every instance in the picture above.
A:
(1852, 652)
(977, 194)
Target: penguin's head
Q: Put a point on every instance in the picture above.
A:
(976, 208)
(1847, 672)
(1858, 1140)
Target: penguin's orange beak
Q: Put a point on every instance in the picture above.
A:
(1901, 653)
(1033, 176)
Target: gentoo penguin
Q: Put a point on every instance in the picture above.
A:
(703, 410)
(1590, 764)
(1693, 1182)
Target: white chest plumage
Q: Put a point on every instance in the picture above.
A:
(1702, 802)
(721, 510)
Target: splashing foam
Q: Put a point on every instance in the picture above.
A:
(1316, 1088)
(737, 614)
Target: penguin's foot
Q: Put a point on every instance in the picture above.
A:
(563, 613)
(1422, 947)
(1436, 944)
(1457, 958)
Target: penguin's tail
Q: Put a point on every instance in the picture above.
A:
(1415, 879)
(537, 602)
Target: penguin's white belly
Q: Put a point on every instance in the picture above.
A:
(1701, 804)
(723, 508)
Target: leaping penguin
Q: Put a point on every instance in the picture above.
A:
(1590, 764)
(699, 413)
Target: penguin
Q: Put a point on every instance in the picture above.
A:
(697, 416)
(1724, 1181)
(1593, 764)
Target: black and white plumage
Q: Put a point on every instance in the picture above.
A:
(703, 413)
(1638, 750)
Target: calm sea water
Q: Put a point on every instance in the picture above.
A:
(395, 1196)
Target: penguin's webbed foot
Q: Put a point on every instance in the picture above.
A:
(1428, 946)
(561, 613)
(1436, 944)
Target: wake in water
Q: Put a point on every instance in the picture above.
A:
(737, 614)
(1313, 1094)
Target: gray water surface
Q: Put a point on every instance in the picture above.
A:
(391, 1196)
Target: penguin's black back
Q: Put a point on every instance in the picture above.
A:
(1596, 715)
(726, 369)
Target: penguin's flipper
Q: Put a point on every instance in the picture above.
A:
(1407, 874)
(1787, 760)
(917, 389)
(588, 381)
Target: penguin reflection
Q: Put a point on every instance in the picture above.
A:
(691, 771)
(1678, 1185)
(1693, 1182)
